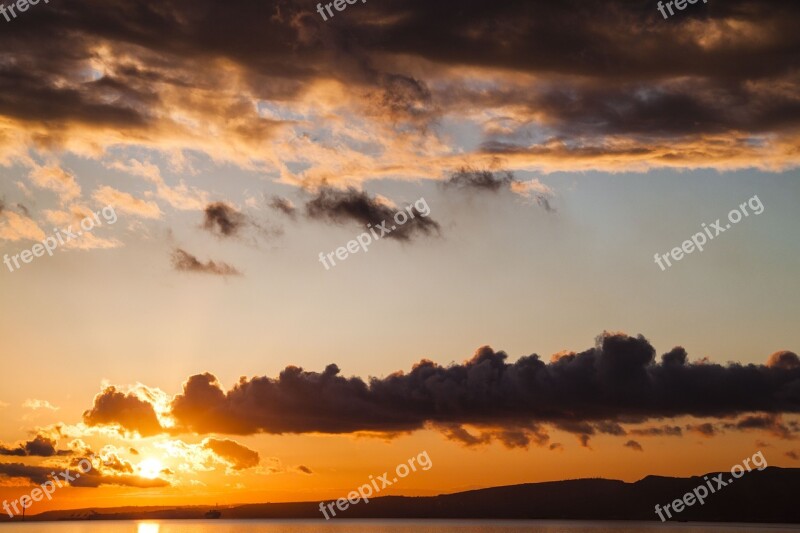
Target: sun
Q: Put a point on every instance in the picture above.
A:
(150, 468)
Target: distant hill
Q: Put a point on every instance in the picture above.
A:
(769, 496)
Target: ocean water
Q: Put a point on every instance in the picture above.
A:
(380, 526)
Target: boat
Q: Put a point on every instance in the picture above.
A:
(213, 514)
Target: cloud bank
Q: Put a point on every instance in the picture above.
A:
(616, 382)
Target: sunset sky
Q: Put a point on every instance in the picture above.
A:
(519, 332)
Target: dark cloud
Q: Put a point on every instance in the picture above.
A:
(633, 445)
(675, 357)
(343, 206)
(35, 474)
(517, 437)
(706, 430)
(664, 431)
(284, 206)
(39, 475)
(785, 359)
(457, 433)
(601, 68)
(240, 457)
(223, 220)
(183, 261)
(588, 77)
(770, 423)
(467, 178)
(128, 411)
(39, 446)
(304, 469)
(616, 381)
(583, 430)
(406, 99)
(610, 428)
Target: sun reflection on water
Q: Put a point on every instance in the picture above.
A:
(146, 527)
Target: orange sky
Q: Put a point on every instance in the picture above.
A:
(516, 330)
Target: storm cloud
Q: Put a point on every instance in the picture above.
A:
(617, 381)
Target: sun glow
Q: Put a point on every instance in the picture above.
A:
(150, 468)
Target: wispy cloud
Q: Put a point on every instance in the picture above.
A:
(183, 261)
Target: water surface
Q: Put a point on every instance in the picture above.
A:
(380, 526)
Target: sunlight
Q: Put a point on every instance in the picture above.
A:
(147, 527)
(150, 468)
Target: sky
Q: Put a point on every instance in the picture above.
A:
(203, 340)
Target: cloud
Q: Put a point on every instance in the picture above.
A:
(633, 445)
(113, 462)
(90, 241)
(610, 428)
(223, 220)
(56, 179)
(304, 469)
(717, 87)
(518, 437)
(238, 456)
(617, 381)
(35, 474)
(94, 480)
(785, 359)
(342, 206)
(181, 197)
(15, 227)
(770, 423)
(39, 446)
(495, 181)
(183, 261)
(405, 99)
(127, 203)
(127, 411)
(284, 205)
(482, 180)
(705, 430)
(38, 405)
(668, 431)
(109, 470)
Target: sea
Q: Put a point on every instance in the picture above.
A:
(381, 526)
